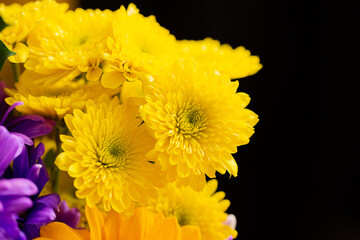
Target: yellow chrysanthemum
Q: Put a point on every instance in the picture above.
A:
(21, 19)
(211, 56)
(198, 120)
(56, 100)
(205, 209)
(138, 47)
(71, 44)
(106, 156)
(143, 225)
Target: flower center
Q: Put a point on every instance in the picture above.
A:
(184, 219)
(114, 155)
(183, 216)
(191, 121)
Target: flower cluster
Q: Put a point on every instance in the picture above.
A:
(114, 127)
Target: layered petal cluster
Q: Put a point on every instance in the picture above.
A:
(24, 216)
(212, 56)
(205, 209)
(56, 100)
(21, 19)
(14, 199)
(29, 165)
(198, 120)
(106, 156)
(142, 225)
(39, 211)
(64, 52)
(61, 48)
(22, 211)
(137, 47)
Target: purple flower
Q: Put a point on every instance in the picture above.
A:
(21, 184)
(69, 216)
(28, 165)
(26, 212)
(14, 199)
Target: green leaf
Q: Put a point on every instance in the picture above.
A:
(4, 54)
(2, 24)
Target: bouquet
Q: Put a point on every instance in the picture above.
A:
(115, 129)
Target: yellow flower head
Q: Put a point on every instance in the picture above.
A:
(198, 120)
(138, 47)
(142, 225)
(106, 156)
(21, 19)
(62, 48)
(56, 100)
(211, 55)
(205, 209)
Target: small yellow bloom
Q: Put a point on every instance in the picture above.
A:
(106, 156)
(54, 101)
(198, 120)
(137, 47)
(213, 56)
(205, 209)
(22, 19)
(143, 225)
(61, 48)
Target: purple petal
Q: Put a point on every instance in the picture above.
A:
(9, 110)
(34, 172)
(64, 207)
(71, 217)
(35, 159)
(31, 125)
(40, 214)
(15, 204)
(21, 164)
(11, 146)
(32, 231)
(9, 223)
(31, 117)
(4, 235)
(36, 154)
(51, 200)
(17, 186)
(26, 140)
(43, 177)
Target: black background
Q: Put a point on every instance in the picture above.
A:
(299, 177)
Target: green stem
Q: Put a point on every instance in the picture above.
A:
(16, 71)
(55, 172)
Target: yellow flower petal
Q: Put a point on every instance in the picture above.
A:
(94, 74)
(132, 90)
(112, 79)
(190, 232)
(60, 231)
(96, 222)
(22, 53)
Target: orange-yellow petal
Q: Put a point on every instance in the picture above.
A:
(60, 231)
